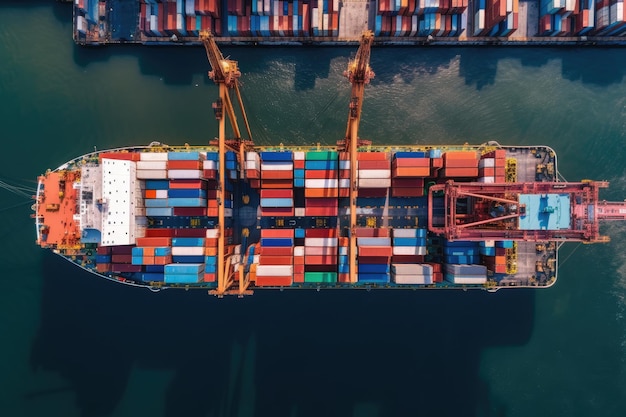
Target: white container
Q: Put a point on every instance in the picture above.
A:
(373, 241)
(404, 232)
(277, 166)
(487, 163)
(344, 183)
(212, 233)
(409, 250)
(466, 279)
(161, 193)
(274, 270)
(253, 156)
(344, 164)
(374, 182)
(412, 269)
(209, 164)
(487, 180)
(321, 183)
(374, 173)
(320, 241)
(184, 174)
(299, 212)
(151, 174)
(298, 156)
(162, 165)
(412, 279)
(188, 250)
(298, 251)
(153, 156)
(343, 250)
(252, 165)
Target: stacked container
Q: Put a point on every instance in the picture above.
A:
(494, 255)
(325, 18)
(399, 18)
(495, 17)
(461, 252)
(408, 171)
(268, 18)
(492, 167)
(320, 255)
(465, 274)
(459, 164)
(570, 17)
(374, 253)
(183, 273)
(276, 261)
(184, 18)
(276, 174)
(210, 254)
(122, 260)
(373, 174)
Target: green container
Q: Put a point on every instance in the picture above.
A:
(320, 277)
(321, 156)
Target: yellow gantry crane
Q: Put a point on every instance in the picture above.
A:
(225, 73)
(359, 74)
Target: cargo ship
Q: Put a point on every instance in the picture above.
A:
(340, 22)
(230, 217)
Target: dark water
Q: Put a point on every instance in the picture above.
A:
(73, 345)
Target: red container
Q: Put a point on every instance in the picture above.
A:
(461, 163)
(253, 173)
(407, 192)
(320, 268)
(365, 251)
(120, 156)
(125, 267)
(372, 156)
(298, 260)
(121, 259)
(102, 268)
(365, 164)
(277, 183)
(298, 269)
(320, 173)
(280, 193)
(210, 277)
(298, 277)
(319, 250)
(155, 241)
(321, 211)
(373, 259)
(371, 192)
(123, 250)
(410, 172)
(103, 250)
(189, 211)
(320, 202)
(345, 278)
(459, 172)
(411, 162)
(189, 233)
(277, 211)
(159, 233)
(372, 232)
(320, 259)
(287, 233)
(487, 172)
(407, 259)
(187, 184)
(275, 260)
(255, 183)
(209, 174)
(320, 232)
(299, 164)
(270, 281)
(437, 276)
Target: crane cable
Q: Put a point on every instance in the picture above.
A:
(19, 190)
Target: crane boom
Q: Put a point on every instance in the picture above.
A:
(225, 73)
(359, 74)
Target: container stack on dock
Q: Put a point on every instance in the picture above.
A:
(269, 18)
(459, 164)
(492, 167)
(183, 18)
(406, 18)
(325, 18)
(374, 255)
(495, 17)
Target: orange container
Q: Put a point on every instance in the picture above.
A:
(212, 212)
(344, 241)
(253, 173)
(187, 184)
(210, 251)
(105, 268)
(487, 172)
(154, 241)
(436, 163)
(148, 251)
(212, 204)
(411, 162)
(299, 164)
(276, 250)
(320, 259)
(275, 260)
(372, 156)
(277, 233)
(298, 277)
(371, 232)
(461, 163)
(298, 269)
(150, 194)
(123, 156)
(375, 251)
(460, 155)
(460, 172)
(344, 192)
(298, 260)
(163, 260)
(270, 281)
(322, 192)
(343, 278)
(276, 175)
(210, 242)
(407, 172)
(184, 165)
(148, 260)
(210, 278)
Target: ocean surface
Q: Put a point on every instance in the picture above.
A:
(74, 345)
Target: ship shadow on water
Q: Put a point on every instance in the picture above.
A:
(296, 353)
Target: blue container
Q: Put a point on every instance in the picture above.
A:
(298, 173)
(298, 182)
(103, 259)
(159, 211)
(212, 156)
(408, 241)
(373, 269)
(488, 251)
(186, 202)
(231, 165)
(136, 251)
(277, 202)
(189, 268)
(155, 268)
(188, 241)
(210, 269)
(401, 155)
(373, 278)
(461, 250)
(186, 193)
(151, 277)
(276, 241)
(157, 184)
(210, 260)
(183, 156)
(462, 259)
(343, 268)
(343, 259)
(188, 259)
(299, 233)
(162, 251)
(137, 260)
(182, 278)
(276, 156)
(156, 202)
(230, 156)
(507, 244)
(328, 164)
